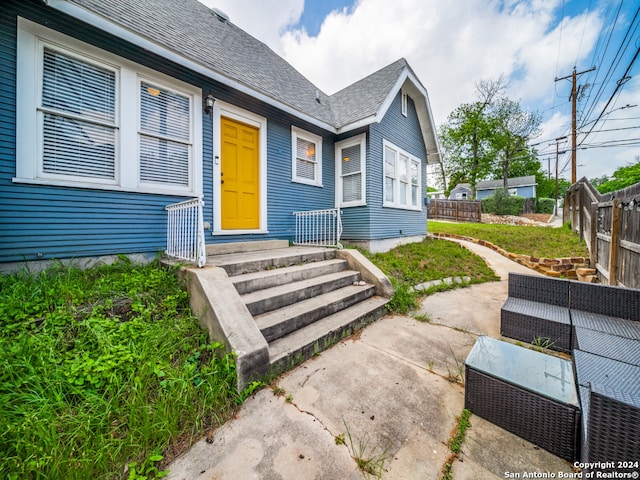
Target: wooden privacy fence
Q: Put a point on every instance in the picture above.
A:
(458, 210)
(610, 226)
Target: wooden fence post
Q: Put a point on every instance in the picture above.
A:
(616, 216)
(581, 196)
(435, 208)
(593, 231)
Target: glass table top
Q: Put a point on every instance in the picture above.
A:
(538, 372)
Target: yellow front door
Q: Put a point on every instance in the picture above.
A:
(239, 175)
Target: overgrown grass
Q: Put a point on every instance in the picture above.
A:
(432, 259)
(101, 371)
(527, 240)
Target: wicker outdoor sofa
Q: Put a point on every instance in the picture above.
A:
(600, 326)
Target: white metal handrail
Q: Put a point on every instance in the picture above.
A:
(185, 231)
(319, 228)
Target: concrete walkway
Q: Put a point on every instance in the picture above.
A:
(393, 392)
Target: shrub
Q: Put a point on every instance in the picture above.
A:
(489, 204)
(545, 205)
(501, 203)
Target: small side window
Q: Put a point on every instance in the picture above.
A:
(306, 166)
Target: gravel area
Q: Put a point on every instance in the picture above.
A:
(539, 219)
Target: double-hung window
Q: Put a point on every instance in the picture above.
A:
(306, 164)
(100, 121)
(351, 172)
(78, 115)
(402, 178)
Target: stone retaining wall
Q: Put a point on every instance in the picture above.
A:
(552, 267)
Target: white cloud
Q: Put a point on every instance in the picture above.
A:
(266, 20)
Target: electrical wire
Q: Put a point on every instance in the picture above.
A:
(612, 67)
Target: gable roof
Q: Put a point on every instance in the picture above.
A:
(190, 34)
(461, 186)
(511, 182)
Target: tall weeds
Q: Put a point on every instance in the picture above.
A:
(103, 368)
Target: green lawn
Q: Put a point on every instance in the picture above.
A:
(528, 240)
(431, 259)
(102, 369)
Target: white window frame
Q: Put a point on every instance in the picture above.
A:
(513, 191)
(397, 202)
(32, 39)
(298, 133)
(405, 103)
(350, 142)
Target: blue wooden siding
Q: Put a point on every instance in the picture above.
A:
(525, 191)
(44, 222)
(404, 132)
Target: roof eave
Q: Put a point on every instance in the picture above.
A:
(410, 82)
(108, 26)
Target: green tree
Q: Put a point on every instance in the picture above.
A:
(622, 178)
(489, 138)
(465, 136)
(514, 127)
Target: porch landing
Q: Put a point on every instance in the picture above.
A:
(276, 307)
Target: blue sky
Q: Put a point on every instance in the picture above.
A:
(315, 12)
(453, 45)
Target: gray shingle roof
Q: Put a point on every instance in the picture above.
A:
(511, 182)
(364, 98)
(191, 30)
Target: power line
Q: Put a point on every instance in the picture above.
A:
(619, 86)
(614, 129)
(614, 63)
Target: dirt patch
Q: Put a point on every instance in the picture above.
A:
(531, 219)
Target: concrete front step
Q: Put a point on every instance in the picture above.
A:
(268, 299)
(283, 321)
(307, 341)
(240, 263)
(250, 282)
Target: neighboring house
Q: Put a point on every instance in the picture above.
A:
(462, 191)
(112, 110)
(520, 186)
(436, 195)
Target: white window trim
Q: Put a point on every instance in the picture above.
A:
(405, 103)
(32, 38)
(317, 141)
(396, 193)
(350, 142)
(223, 109)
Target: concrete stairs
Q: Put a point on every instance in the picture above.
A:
(302, 299)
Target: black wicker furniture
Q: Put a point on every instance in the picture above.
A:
(606, 345)
(537, 310)
(528, 393)
(610, 398)
(613, 310)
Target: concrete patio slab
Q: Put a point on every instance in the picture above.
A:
(394, 388)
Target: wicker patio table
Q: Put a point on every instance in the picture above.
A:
(526, 392)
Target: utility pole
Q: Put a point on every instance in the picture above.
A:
(574, 101)
(555, 208)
